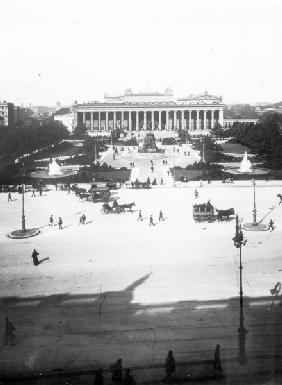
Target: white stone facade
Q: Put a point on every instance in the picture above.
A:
(151, 112)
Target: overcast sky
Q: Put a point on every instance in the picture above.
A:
(79, 50)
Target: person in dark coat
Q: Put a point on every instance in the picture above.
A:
(9, 333)
(217, 360)
(128, 378)
(9, 197)
(161, 216)
(35, 259)
(60, 222)
(151, 221)
(140, 218)
(83, 219)
(116, 370)
(51, 220)
(271, 225)
(169, 365)
(99, 378)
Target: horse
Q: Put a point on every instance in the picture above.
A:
(224, 214)
(127, 206)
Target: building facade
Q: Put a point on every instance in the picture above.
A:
(6, 113)
(151, 112)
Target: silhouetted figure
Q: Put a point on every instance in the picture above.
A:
(196, 193)
(83, 219)
(162, 181)
(152, 169)
(217, 360)
(116, 370)
(161, 216)
(271, 225)
(151, 221)
(60, 222)
(51, 220)
(128, 378)
(99, 378)
(9, 336)
(9, 197)
(56, 186)
(33, 193)
(35, 259)
(169, 365)
(140, 218)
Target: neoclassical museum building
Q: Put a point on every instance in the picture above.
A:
(137, 113)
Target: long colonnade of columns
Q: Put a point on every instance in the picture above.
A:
(165, 119)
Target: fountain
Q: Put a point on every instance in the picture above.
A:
(245, 165)
(245, 168)
(54, 171)
(54, 168)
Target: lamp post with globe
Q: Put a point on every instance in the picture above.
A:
(239, 241)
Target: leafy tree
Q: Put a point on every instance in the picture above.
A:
(80, 130)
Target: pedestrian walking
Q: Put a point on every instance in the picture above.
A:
(151, 221)
(35, 259)
(116, 370)
(152, 168)
(140, 218)
(51, 220)
(9, 197)
(33, 193)
(83, 219)
(161, 216)
(128, 378)
(169, 365)
(99, 377)
(60, 222)
(196, 193)
(217, 360)
(9, 336)
(271, 225)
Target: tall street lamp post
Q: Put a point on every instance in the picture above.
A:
(23, 191)
(242, 331)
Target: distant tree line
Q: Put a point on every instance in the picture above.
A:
(264, 138)
(25, 137)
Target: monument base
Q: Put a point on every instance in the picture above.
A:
(254, 227)
(22, 234)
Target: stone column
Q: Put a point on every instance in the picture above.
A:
(160, 120)
(152, 120)
(84, 117)
(121, 119)
(167, 125)
(189, 124)
(107, 121)
(198, 120)
(99, 121)
(174, 120)
(212, 119)
(129, 121)
(145, 120)
(114, 120)
(182, 119)
(137, 120)
(91, 121)
(220, 117)
(205, 119)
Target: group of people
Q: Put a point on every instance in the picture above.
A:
(60, 222)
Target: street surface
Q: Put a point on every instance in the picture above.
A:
(116, 287)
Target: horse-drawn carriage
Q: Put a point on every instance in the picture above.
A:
(205, 212)
(116, 208)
